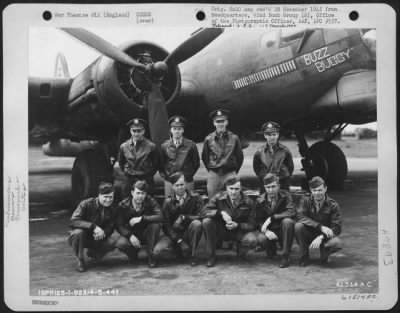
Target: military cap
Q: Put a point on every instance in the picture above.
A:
(175, 177)
(105, 188)
(270, 178)
(219, 115)
(136, 123)
(231, 180)
(177, 121)
(141, 185)
(270, 127)
(316, 182)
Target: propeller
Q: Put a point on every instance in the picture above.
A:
(157, 112)
(157, 115)
(193, 45)
(102, 46)
(369, 38)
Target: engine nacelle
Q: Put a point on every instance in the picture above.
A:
(123, 89)
(355, 92)
(67, 148)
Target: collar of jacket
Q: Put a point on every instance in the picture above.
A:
(224, 196)
(97, 204)
(225, 134)
(185, 196)
(275, 147)
(127, 203)
(140, 142)
(171, 141)
(264, 197)
(135, 208)
(324, 202)
(189, 194)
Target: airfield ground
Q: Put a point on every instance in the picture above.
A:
(352, 270)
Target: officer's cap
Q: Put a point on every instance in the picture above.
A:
(231, 180)
(175, 177)
(141, 185)
(219, 115)
(270, 178)
(270, 127)
(136, 123)
(315, 182)
(177, 121)
(105, 188)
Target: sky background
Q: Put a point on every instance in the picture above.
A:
(46, 42)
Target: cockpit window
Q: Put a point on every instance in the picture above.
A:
(288, 36)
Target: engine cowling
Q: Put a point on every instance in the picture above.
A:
(123, 89)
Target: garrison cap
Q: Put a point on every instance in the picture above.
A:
(175, 177)
(219, 114)
(105, 188)
(270, 178)
(270, 127)
(316, 182)
(177, 121)
(136, 123)
(141, 185)
(231, 180)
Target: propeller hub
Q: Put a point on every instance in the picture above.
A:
(159, 69)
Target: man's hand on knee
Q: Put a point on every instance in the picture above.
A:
(271, 235)
(327, 231)
(231, 225)
(134, 241)
(98, 233)
(316, 242)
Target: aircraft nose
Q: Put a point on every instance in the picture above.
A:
(369, 39)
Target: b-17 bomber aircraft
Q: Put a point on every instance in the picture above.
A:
(304, 79)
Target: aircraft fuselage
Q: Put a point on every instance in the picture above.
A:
(260, 75)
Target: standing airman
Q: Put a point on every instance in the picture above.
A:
(273, 157)
(222, 153)
(138, 158)
(178, 154)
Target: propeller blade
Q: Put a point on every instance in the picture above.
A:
(157, 115)
(369, 38)
(102, 46)
(193, 45)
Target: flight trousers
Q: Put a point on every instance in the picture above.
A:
(191, 235)
(215, 182)
(79, 239)
(285, 233)
(215, 230)
(305, 235)
(148, 236)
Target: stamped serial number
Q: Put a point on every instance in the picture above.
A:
(79, 292)
(353, 284)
